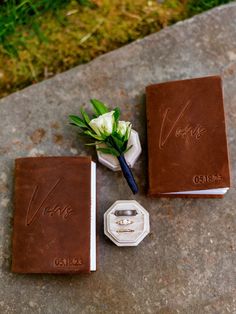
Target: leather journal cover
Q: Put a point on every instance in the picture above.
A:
(187, 147)
(54, 227)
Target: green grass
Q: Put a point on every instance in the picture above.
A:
(15, 13)
(40, 38)
(198, 6)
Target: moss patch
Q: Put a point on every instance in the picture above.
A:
(73, 34)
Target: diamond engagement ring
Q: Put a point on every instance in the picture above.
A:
(126, 212)
(124, 222)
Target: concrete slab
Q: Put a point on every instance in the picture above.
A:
(188, 262)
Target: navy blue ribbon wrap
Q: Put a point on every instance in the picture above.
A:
(128, 174)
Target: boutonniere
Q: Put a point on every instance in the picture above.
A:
(106, 128)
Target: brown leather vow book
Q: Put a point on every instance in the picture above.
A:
(55, 215)
(187, 147)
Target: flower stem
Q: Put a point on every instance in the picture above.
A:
(128, 174)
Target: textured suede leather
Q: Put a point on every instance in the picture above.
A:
(52, 215)
(187, 147)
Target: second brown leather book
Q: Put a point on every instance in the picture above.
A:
(187, 147)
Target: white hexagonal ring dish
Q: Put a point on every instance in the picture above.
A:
(126, 230)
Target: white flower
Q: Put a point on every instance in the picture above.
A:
(103, 125)
(123, 128)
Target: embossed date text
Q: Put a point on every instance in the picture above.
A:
(67, 262)
(207, 178)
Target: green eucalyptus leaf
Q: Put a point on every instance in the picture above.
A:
(111, 151)
(119, 143)
(128, 148)
(117, 135)
(94, 144)
(75, 120)
(117, 114)
(85, 116)
(93, 135)
(124, 147)
(108, 144)
(127, 134)
(99, 107)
